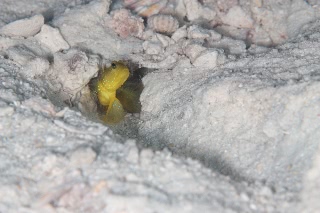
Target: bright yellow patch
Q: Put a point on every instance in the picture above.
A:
(109, 81)
(116, 92)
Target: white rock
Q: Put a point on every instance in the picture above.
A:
(82, 156)
(162, 23)
(195, 11)
(221, 102)
(165, 40)
(214, 36)
(271, 24)
(193, 51)
(236, 17)
(196, 32)
(207, 59)
(152, 48)
(180, 8)
(302, 14)
(260, 37)
(24, 27)
(193, 8)
(208, 14)
(234, 32)
(180, 33)
(52, 39)
(148, 34)
(125, 24)
(71, 71)
(84, 27)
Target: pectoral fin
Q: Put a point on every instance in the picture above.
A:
(129, 95)
(115, 113)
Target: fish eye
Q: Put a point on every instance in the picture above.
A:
(113, 65)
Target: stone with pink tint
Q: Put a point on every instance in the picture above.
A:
(125, 24)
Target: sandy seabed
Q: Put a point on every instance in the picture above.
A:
(230, 118)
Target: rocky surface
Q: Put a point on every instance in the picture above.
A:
(225, 126)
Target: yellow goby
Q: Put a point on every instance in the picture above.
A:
(109, 81)
(116, 92)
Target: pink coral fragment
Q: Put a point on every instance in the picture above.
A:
(125, 24)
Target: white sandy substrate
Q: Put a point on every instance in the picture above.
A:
(224, 127)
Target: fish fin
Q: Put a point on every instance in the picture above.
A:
(115, 113)
(129, 96)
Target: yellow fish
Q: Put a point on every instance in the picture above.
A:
(115, 93)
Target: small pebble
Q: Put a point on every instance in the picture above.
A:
(180, 33)
(163, 23)
(193, 51)
(82, 156)
(152, 48)
(195, 32)
(51, 38)
(207, 59)
(23, 27)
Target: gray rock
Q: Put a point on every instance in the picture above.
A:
(51, 38)
(24, 27)
(84, 27)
